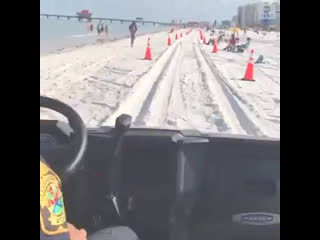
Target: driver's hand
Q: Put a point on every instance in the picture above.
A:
(76, 234)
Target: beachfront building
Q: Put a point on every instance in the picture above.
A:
(234, 21)
(278, 13)
(205, 24)
(226, 24)
(261, 14)
(248, 16)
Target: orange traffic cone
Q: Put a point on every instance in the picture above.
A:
(249, 71)
(176, 36)
(215, 48)
(169, 41)
(148, 51)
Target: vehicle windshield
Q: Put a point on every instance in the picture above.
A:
(209, 65)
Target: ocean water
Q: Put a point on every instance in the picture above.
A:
(57, 34)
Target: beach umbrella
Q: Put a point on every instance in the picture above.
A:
(235, 29)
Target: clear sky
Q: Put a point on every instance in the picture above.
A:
(157, 10)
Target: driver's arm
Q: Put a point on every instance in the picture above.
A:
(64, 236)
(53, 223)
(76, 234)
(73, 234)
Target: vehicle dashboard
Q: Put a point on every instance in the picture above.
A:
(167, 175)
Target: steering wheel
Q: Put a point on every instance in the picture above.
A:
(80, 136)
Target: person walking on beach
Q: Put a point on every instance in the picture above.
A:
(106, 30)
(99, 28)
(133, 30)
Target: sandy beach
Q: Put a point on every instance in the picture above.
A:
(182, 87)
(97, 76)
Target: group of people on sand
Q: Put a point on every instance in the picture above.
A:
(212, 40)
(233, 45)
(233, 42)
(101, 29)
(133, 28)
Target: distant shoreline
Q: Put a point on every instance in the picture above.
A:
(90, 41)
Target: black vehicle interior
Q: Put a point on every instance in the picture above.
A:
(163, 184)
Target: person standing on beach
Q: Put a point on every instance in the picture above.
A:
(133, 30)
(106, 30)
(99, 28)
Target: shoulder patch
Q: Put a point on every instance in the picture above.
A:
(52, 213)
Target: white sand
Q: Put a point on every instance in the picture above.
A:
(176, 90)
(261, 99)
(95, 79)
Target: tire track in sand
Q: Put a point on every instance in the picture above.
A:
(192, 105)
